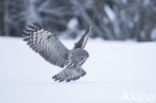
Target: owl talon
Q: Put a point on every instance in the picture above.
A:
(68, 80)
(65, 75)
(84, 74)
(55, 79)
(60, 80)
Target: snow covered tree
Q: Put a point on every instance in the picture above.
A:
(1, 17)
(112, 19)
(131, 19)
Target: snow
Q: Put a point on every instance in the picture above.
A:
(113, 68)
(72, 24)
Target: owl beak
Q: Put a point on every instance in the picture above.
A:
(82, 62)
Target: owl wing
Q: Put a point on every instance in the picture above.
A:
(46, 44)
(83, 40)
(69, 75)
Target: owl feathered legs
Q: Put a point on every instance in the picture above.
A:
(69, 75)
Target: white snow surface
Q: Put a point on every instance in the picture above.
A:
(112, 68)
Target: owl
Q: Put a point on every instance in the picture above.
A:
(48, 46)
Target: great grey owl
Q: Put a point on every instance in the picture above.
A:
(51, 49)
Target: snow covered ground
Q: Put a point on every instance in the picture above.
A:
(117, 72)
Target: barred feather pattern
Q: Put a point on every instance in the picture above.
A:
(83, 40)
(69, 64)
(69, 74)
(47, 45)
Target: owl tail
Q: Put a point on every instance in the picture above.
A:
(69, 75)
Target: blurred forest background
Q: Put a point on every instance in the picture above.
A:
(112, 19)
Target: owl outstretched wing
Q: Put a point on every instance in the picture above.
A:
(46, 44)
(83, 40)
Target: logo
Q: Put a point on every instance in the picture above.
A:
(137, 97)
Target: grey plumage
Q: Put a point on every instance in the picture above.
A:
(83, 40)
(52, 50)
(69, 74)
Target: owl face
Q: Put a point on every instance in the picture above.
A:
(79, 56)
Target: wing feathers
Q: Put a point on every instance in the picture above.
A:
(83, 40)
(46, 44)
(33, 27)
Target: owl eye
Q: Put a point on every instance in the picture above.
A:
(82, 58)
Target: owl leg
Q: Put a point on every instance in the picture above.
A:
(69, 75)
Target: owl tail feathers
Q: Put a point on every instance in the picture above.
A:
(69, 75)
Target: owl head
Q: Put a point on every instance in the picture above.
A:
(78, 56)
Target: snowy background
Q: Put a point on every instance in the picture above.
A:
(122, 48)
(112, 69)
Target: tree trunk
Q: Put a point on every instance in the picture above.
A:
(6, 17)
